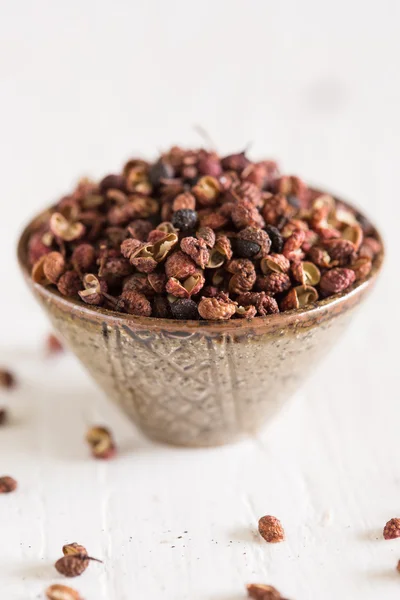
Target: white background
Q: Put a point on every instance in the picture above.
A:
(83, 86)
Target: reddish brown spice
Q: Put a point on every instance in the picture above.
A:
(7, 379)
(101, 442)
(138, 240)
(7, 484)
(336, 280)
(53, 345)
(392, 529)
(271, 529)
(73, 564)
(62, 592)
(217, 309)
(259, 591)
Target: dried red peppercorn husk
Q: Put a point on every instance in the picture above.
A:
(186, 288)
(336, 280)
(7, 484)
(276, 207)
(83, 258)
(245, 214)
(69, 284)
(101, 442)
(173, 226)
(7, 379)
(179, 265)
(94, 290)
(53, 345)
(273, 283)
(37, 248)
(62, 592)
(64, 229)
(197, 250)
(207, 190)
(235, 162)
(244, 275)
(392, 529)
(299, 297)
(219, 308)
(271, 529)
(259, 591)
(135, 303)
(74, 564)
(264, 304)
(361, 267)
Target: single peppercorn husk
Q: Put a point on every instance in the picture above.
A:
(259, 591)
(270, 528)
(64, 229)
(392, 529)
(7, 484)
(101, 442)
(74, 564)
(53, 345)
(7, 379)
(275, 263)
(62, 592)
(299, 297)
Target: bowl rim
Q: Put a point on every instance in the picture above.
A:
(317, 311)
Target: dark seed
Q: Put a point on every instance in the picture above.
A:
(114, 182)
(293, 201)
(192, 181)
(245, 248)
(190, 174)
(184, 309)
(184, 219)
(160, 170)
(276, 239)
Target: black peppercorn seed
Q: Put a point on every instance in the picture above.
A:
(245, 248)
(184, 219)
(191, 181)
(276, 239)
(160, 170)
(184, 309)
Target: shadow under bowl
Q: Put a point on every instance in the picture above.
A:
(197, 383)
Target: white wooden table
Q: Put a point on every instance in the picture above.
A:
(85, 84)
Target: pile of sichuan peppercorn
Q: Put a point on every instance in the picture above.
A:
(195, 236)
